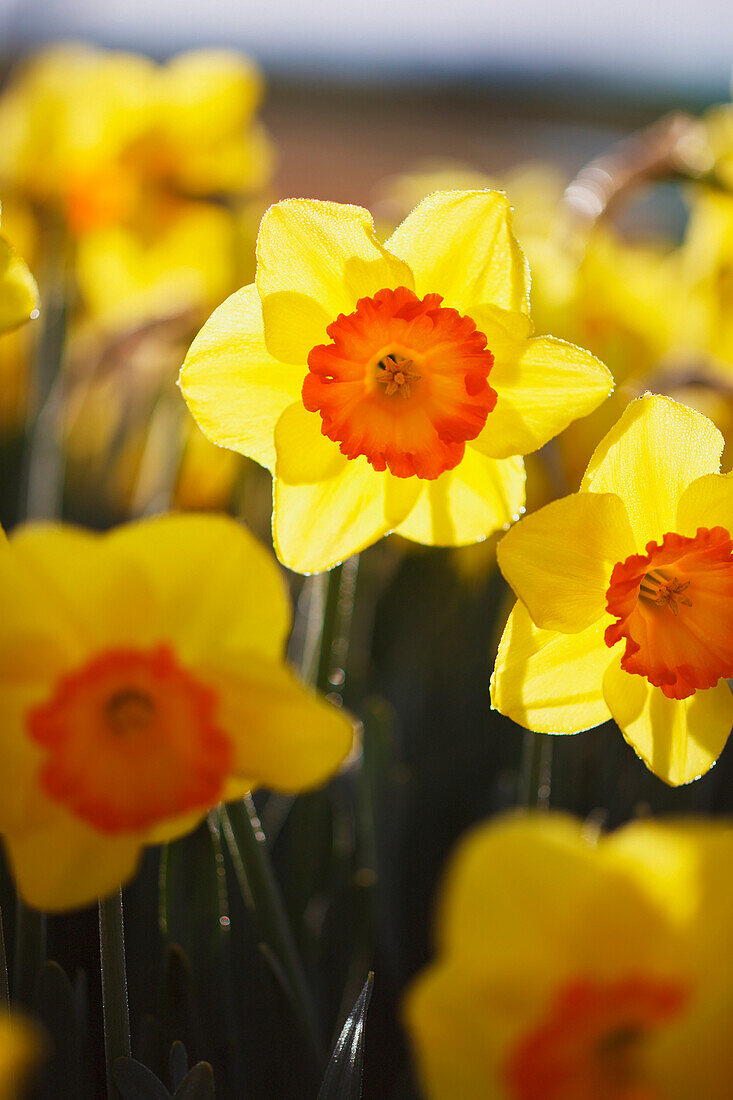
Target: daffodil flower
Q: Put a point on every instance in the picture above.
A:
(18, 290)
(20, 1046)
(571, 967)
(141, 682)
(626, 596)
(387, 387)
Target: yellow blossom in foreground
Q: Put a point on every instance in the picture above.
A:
(18, 290)
(626, 596)
(386, 387)
(141, 682)
(576, 969)
(19, 1049)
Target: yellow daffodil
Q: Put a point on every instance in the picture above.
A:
(141, 682)
(89, 132)
(387, 387)
(626, 596)
(18, 290)
(571, 968)
(19, 1049)
(202, 137)
(127, 277)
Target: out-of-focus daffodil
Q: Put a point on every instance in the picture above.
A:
(207, 473)
(19, 1050)
(141, 681)
(89, 131)
(626, 596)
(129, 276)
(571, 968)
(18, 290)
(202, 137)
(389, 386)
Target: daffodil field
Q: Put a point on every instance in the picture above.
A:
(322, 531)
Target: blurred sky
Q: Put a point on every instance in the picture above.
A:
(628, 45)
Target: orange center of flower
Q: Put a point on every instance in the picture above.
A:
(131, 738)
(590, 1046)
(674, 608)
(404, 383)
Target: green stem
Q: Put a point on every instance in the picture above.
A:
(4, 988)
(30, 952)
(43, 478)
(536, 771)
(248, 849)
(114, 985)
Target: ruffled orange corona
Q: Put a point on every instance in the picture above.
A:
(573, 966)
(674, 607)
(403, 383)
(131, 737)
(626, 596)
(589, 1045)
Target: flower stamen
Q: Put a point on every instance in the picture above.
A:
(395, 374)
(664, 591)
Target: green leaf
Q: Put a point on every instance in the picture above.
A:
(178, 1063)
(55, 1006)
(198, 1084)
(136, 1082)
(343, 1080)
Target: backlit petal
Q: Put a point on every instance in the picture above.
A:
(547, 681)
(678, 739)
(649, 458)
(66, 864)
(232, 385)
(241, 603)
(460, 244)
(18, 291)
(549, 384)
(558, 560)
(480, 496)
(327, 507)
(707, 502)
(327, 252)
(284, 735)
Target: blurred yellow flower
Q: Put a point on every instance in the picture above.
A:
(202, 137)
(389, 386)
(127, 276)
(18, 290)
(626, 596)
(87, 131)
(576, 969)
(141, 682)
(19, 1049)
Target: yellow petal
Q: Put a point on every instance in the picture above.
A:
(65, 585)
(66, 864)
(650, 457)
(327, 507)
(326, 252)
(707, 502)
(285, 737)
(547, 681)
(678, 739)
(214, 583)
(232, 385)
(464, 505)
(18, 290)
(559, 560)
(460, 244)
(20, 1046)
(548, 385)
(525, 881)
